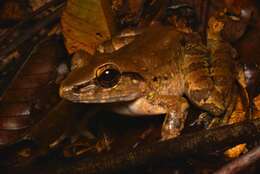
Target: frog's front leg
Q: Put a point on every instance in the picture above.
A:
(176, 113)
(174, 107)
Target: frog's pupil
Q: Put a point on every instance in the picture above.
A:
(109, 78)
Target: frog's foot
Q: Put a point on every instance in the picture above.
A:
(174, 120)
(216, 122)
(208, 121)
(172, 126)
(79, 146)
(203, 119)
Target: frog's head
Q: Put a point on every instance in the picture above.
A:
(103, 80)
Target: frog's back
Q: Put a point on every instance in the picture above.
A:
(155, 51)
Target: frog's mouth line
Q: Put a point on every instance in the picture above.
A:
(100, 98)
(114, 99)
(92, 92)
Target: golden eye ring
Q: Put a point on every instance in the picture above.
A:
(108, 75)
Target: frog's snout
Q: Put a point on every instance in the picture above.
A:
(64, 90)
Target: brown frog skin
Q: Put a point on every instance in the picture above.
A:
(155, 74)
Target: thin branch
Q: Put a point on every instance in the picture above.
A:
(15, 37)
(39, 12)
(20, 36)
(203, 141)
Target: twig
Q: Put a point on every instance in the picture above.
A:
(241, 163)
(46, 134)
(38, 30)
(39, 12)
(15, 37)
(206, 141)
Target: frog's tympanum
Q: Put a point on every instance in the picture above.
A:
(156, 73)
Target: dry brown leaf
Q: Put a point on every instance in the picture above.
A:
(86, 24)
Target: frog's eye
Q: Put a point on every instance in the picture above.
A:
(108, 76)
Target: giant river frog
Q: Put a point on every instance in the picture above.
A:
(157, 72)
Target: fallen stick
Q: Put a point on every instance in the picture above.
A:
(22, 32)
(41, 12)
(203, 141)
(19, 37)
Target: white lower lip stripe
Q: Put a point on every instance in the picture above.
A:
(87, 88)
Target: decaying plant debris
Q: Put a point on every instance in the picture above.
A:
(40, 132)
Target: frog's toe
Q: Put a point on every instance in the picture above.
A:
(216, 122)
(172, 126)
(207, 121)
(203, 119)
(169, 134)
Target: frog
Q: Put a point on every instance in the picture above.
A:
(159, 71)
